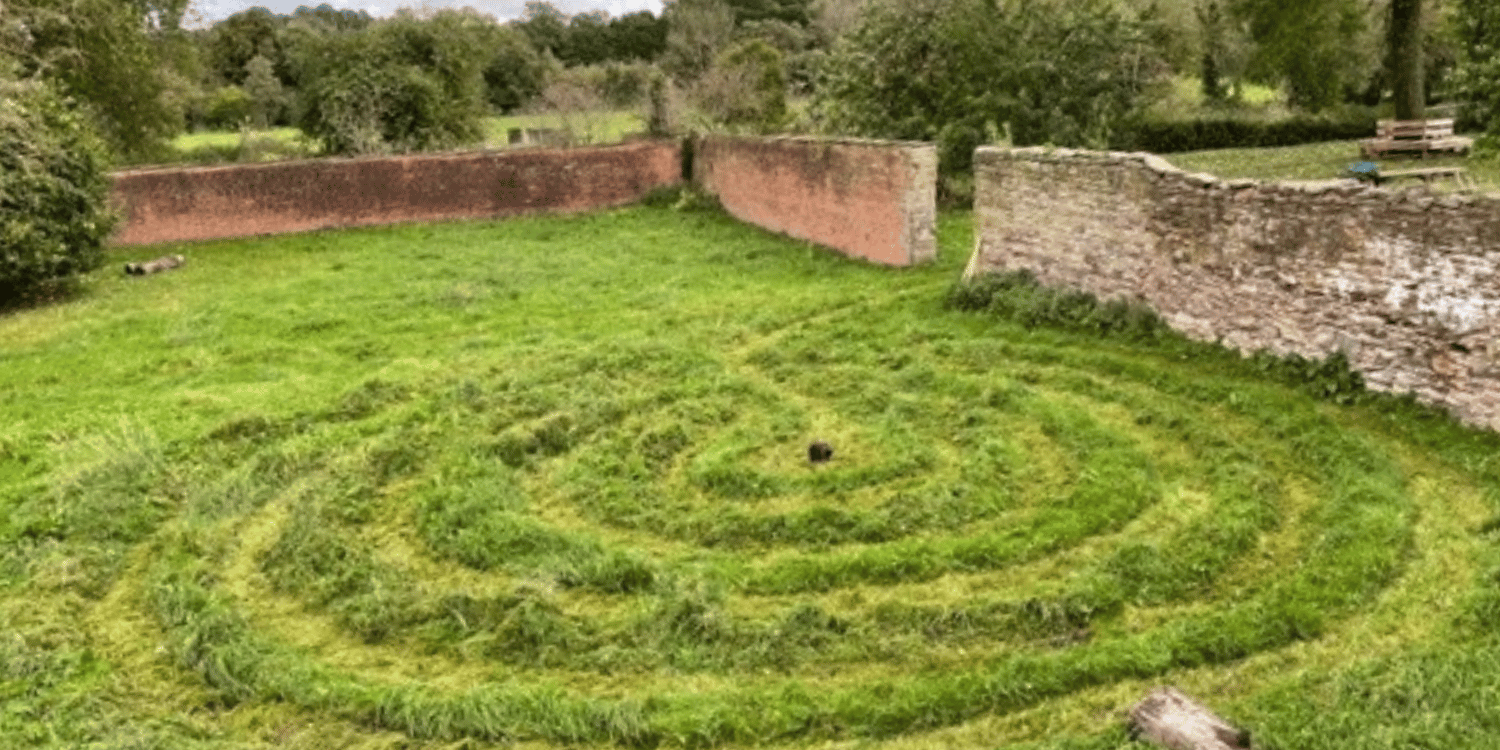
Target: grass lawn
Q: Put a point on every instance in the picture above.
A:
(1324, 161)
(544, 481)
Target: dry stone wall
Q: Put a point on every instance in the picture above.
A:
(875, 200)
(170, 205)
(1406, 283)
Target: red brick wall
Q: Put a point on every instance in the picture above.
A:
(868, 199)
(166, 205)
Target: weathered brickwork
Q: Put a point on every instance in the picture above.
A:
(1406, 283)
(167, 205)
(875, 200)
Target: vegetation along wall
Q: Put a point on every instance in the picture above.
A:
(875, 200)
(1402, 282)
(164, 205)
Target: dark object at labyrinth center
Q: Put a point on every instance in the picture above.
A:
(819, 452)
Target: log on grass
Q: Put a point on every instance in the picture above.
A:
(154, 266)
(1174, 721)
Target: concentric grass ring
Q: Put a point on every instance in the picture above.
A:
(650, 512)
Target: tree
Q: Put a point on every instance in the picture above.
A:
(696, 31)
(544, 25)
(236, 40)
(1317, 49)
(268, 99)
(638, 36)
(1478, 74)
(588, 40)
(1407, 58)
(99, 52)
(798, 12)
(54, 191)
(961, 71)
(514, 72)
(403, 84)
(327, 19)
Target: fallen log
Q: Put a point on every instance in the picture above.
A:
(1174, 721)
(154, 266)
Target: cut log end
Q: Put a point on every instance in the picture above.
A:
(1170, 719)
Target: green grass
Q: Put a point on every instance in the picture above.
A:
(1183, 99)
(1325, 161)
(591, 127)
(545, 481)
(229, 138)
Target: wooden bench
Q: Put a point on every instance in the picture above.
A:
(1420, 137)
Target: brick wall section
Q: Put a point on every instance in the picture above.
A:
(168, 205)
(1404, 282)
(875, 200)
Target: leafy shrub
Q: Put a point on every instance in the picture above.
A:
(1018, 297)
(1228, 131)
(227, 108)
(54, 214)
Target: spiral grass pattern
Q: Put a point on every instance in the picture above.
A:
(604, 529)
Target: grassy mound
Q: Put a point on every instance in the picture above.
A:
(546, 481)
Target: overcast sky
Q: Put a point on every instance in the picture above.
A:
(213, 11)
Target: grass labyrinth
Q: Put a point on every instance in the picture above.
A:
(546, 481)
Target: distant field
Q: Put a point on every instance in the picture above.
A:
(543, 483)
(282, 143)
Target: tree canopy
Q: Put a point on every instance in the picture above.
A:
(962, 71)
(101, 53)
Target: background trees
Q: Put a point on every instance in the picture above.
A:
(104, 54)
(1478, 29)
(1319, 50)
(963, 72)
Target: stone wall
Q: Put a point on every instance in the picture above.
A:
(875, 200)
(168, 205)
(1404, 282)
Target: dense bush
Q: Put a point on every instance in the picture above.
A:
(957, 71)
(54, 214)
(1229, 131)
(401, 85)
(746, 88)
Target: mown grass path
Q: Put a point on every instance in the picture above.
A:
(545, 482)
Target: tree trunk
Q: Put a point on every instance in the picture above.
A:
(1407, 59)
(1174, 721)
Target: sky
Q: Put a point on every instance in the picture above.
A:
(213, 11)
